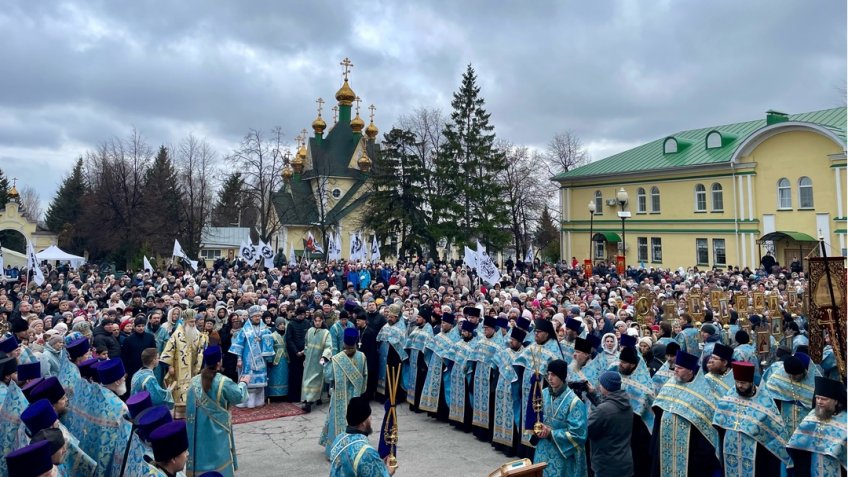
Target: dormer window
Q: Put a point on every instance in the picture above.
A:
(672, 145)
(714, 140)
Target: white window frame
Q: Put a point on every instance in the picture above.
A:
(716, 243)
(642, 249)
(717, 189)
(656, 249)
(705, 248)
(700, 190)
(784, 186)
(641, 201)
(599, 203)
(656, 204)
(801, 188)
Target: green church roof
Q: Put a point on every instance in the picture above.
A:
(692, 150)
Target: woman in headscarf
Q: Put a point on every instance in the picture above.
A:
(609, 347)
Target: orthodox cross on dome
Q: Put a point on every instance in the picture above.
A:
(303, 134)
(298, 139)
(346, 65)
(335, 114)
(372, 108)
(15, 180)
(358, 100)
(320, 102)
(287, 156)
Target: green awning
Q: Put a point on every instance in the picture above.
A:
(796, 236)
(610, 237)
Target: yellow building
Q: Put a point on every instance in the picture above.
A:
(326, 184)
(716, 196)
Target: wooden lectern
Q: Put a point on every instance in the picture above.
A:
(520, 468)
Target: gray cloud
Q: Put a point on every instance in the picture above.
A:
(616, 73)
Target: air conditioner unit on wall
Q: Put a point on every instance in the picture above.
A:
(611, 202)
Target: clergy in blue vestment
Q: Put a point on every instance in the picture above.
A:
(160, 333)
(818, 444)
(573, 330)
(337, 331)
(145, 380)
(351, 455)
(745, 351)
(666, 371)
(562, 438)
(583, 372)
(106, 431)
(719, 376)
(40, 415)
(420, 333)
(485, 378)
(436, 390)
(535, 358)
(170, 444)
(753, 437)
(791, 384)
(59, 449)
(210, 396)
(637, 385)
(684, 441)
(34, 460)
(278, 367)
(392, 342)
(347, 374)
(140, 450)
(254, 345)
(8, 373)
(689, 336)
(506, 428)
(461, 384)
(137, 404)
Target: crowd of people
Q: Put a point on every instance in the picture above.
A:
(632, 374)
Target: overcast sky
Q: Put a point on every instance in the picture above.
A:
(616, 73)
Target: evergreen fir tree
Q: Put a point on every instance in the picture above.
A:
(162, 204)
(547, 236)
(65, 206)
(474, 206)
(396, 205)
(4, 189)
(231, 199)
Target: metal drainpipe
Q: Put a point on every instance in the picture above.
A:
(740, 241)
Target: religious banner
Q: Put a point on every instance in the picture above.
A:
(334, 247)
(313, 245)
(32, 264)
(488, 272)
(266, 253)
(827, 289)
(357, 248)
(587, 268)
(619, 264)
(246, 253)
(147, 266)
(292, 256)
(470, 259)
(375, 249)
(530, 255)
(180, 253)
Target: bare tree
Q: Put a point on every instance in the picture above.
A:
(195, 162)
(565, 152)
(260, 160)
(527, 192)
(31, 204)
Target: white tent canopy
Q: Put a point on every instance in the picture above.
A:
(55, 253)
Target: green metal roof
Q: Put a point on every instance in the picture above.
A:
(650, 157)
(780, 235)
(610, 237)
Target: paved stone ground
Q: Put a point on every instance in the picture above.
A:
(289, 446)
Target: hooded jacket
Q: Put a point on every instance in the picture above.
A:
(610, 428)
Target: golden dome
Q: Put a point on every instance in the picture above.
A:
(364, 162)
(345, 95)
(356, 124)
(13, 193)
(299, 159)
(287, 173)
(371, 131)
(319, 125)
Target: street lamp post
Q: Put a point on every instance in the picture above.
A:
(621, 197)
(592, 209)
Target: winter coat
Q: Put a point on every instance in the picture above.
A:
(610, 427)
(101, 337)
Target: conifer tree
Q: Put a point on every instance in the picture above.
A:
(547, 236)
(230, 201)
(65, 206)
(473, 206)
(162, 204)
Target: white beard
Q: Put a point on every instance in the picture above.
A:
(119, 390)
(191, 333)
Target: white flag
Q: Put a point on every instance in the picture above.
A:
(357, 250)
(267, 253)
(375, 250)
(530, 255)
(470, 259)
(147, 266)
(488, 272)
(292, 257)
(32, 264)
(335, 246)
(313, 245)
(2, 265)
(246, 253)
(178, 251)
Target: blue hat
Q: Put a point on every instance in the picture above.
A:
(627, 340)
(611, 381)
(351, 336)
(49, 389)
(151, 419)
(803, 357)
(169, 440)
(574, 325)
(27, 371)
(522, 323)
(8, 344)
(110, 371)
(39, 415)
(686, 360)
(503, 323)
(468, 326)
(28, 387)
(87, 369)
(449, 318)
(211, 473)
(212, 356)
(30, 461)
(138, 402)
(78, 347)
(350, 305)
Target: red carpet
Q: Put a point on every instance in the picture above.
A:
(268, 411)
